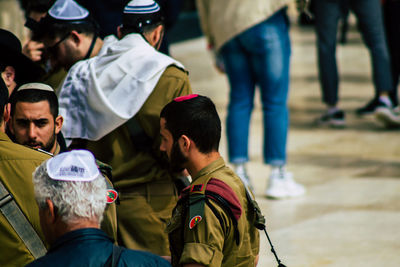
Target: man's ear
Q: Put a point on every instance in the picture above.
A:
(58, 122)
(155, 37)
(119, 32)
(185, 144)
(51, 212)
(8, 76)
(76, 38)
(6, 115)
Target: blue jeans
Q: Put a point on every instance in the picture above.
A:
(370, 22)
(259, 56)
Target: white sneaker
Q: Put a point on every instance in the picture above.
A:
(282, 185)
(389, 117)
(240, 170)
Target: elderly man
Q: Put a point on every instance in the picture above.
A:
(211, 224)
(21, 236)
(111, 105)
(70, 192)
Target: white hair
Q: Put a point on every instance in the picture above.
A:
(74, 200)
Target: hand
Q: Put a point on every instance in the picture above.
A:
(33, 50)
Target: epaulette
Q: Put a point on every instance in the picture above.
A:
(106, 171)
(200, 194)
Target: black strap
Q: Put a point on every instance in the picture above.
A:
(91, 46)
(115, 256)
(225, 206)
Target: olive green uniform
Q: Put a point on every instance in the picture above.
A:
(140, 172)
(212, 241)
(17, 163)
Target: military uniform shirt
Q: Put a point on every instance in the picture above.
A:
(212, 241)
(17, 164)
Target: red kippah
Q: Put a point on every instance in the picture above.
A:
(185, 97)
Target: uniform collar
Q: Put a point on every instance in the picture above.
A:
(57, 151)
(79, 236)
(213, 166)
(4, 137)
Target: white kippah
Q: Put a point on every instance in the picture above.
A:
(141, 7)
(68, 10)
(75, 165)
(36, 86)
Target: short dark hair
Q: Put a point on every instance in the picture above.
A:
(34, 96)
(145, 29)
(3, 98)
(197, 118)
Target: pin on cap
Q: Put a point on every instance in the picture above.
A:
(75, 165)
(185, 97)
(141, 7)
(35, 86)
(68, 10)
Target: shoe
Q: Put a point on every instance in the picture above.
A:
(282, 185)
(240, 171)
(389, 117)
(333, 119)
(371, 107)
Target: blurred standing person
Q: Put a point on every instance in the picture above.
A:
(391, 11)
(369, 17)
(253, 39)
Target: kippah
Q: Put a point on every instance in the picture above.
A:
(68, 10)
(185, 97)
(141, 7)
(36, 86)
(75, 165)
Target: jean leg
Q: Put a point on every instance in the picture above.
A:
(242, 87)
(327, 15)
(370, 21)
(392, 27)
(268, 46)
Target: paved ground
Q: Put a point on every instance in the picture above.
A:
(350, 215)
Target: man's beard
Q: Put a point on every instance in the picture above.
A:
(46, 147)
(177, 158)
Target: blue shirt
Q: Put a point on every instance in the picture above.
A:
(92, 247)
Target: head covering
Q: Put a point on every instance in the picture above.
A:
(139, 13)
(36, 86)
(74, 166)
(11, 55)
(63, 11)
(68, 11)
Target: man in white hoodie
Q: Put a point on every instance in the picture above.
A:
(111, 105)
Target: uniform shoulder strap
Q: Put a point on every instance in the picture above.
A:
(12, 212)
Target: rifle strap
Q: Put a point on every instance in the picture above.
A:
(12, 212)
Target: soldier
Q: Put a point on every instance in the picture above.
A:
(69, 190)
(211, 223)
(35, 123)
(111, 105)
(34, 117)
(21, 238)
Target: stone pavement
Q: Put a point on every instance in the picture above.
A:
(350, 214)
